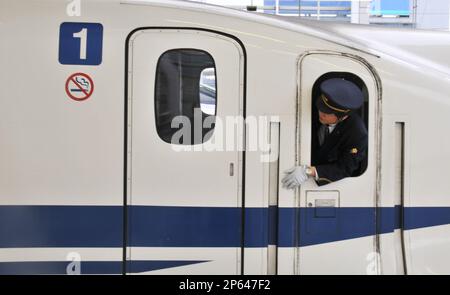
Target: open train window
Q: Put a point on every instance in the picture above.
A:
(186, 88)
(363, 112)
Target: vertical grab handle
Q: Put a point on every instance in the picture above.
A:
(399, 195)
(272, 250)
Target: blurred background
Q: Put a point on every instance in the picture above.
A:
(420, 14)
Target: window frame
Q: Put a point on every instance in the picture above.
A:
(349, 76)
(155, 93)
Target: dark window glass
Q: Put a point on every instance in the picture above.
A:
(363, 112)
(185, 96)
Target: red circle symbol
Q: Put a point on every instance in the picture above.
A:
(79, 86)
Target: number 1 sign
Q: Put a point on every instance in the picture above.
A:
(80, 44)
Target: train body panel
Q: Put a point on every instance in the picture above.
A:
(90, 182)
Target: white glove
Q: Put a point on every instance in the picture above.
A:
(294, 177)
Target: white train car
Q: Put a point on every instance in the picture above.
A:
(90, 181)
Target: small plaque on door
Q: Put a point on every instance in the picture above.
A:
(325, 203)
(322, 216)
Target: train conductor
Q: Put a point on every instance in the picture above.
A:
(339, 147)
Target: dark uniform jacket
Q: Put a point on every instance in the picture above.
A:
(343, 153)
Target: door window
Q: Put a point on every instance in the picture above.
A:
(185, 87)
(363, 113)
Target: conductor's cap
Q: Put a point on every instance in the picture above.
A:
(339, 97)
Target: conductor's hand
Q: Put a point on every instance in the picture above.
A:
(294, 177)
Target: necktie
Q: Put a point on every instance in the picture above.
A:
(323, 133)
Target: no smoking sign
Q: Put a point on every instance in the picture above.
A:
(79, 86)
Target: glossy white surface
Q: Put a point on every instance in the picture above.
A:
(56, 151)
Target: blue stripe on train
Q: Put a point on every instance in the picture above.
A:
(153, 226)
(60, 226)
(87, 267)
(184, 226)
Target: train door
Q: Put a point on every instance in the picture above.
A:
(184, 190)
(337, 221)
